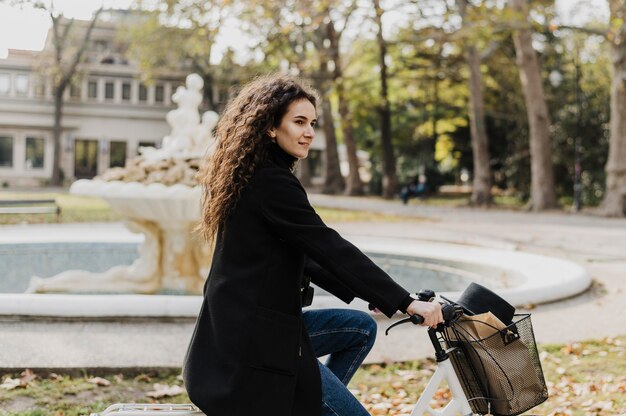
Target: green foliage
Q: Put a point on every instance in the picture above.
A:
(177, 36)
(428, 79)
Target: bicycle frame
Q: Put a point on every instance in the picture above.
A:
(458, 404)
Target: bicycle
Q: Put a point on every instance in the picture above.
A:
(471, 366)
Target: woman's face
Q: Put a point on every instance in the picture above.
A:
(295, 132)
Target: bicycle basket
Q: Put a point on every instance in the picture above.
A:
(500, 374)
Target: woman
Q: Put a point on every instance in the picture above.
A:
(254, 350)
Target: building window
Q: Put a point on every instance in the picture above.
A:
(109, 90)
(143, 93)
(21, 84)
(117, 157)
(5, 84)
(126, 91)
(92, 89)
(75, 91)
(34, 153)
(6, 151)
(85, 158)
(159, 94)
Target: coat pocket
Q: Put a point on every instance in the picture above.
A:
(275, 342)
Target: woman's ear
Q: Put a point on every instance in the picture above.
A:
(272, 134)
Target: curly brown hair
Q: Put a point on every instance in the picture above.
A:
(242, 141)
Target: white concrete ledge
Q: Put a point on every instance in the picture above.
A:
(537, 279)
(533, 279)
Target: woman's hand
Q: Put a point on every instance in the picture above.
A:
(430, 311)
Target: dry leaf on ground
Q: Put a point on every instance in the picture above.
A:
(163, 390)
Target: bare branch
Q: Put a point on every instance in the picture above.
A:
(79, 54)
(598, 31)
(494, 45)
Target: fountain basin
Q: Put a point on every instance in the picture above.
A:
(521, 278)
(154, 202)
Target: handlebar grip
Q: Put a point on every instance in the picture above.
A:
(449, 312)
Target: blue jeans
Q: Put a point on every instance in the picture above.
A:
(346, 336)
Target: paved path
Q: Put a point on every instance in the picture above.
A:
(599, 244)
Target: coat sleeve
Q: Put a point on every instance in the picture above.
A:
(284, 204)
(327, 281)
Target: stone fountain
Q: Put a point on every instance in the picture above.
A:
(157, 194)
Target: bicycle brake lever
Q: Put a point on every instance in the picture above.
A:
(414, 319)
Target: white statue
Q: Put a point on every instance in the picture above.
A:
(203, 139)
(188, 138)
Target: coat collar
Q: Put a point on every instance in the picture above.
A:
(280, 157)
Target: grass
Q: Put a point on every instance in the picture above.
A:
(331, 215)
(460, 200)
(74, 208)
(78, 208)
(583, 379)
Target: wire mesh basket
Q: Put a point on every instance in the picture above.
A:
(500, 373)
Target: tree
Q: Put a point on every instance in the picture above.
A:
(390, 177)
(481, 189)
(542, 191)
(614, 202)
(179, 35)
(69, 43)
(301, 37)
(354, 185)
(614, 199)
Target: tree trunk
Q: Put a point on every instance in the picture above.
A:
(614, 202)
(354, 185)
(481, 184)
(333, 183)
(304, 173)
(64, 74)
(542, 171)
(390, 179)
(57, 130)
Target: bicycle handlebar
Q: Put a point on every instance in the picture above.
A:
(449, 311)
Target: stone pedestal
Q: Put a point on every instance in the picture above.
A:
(172, 257)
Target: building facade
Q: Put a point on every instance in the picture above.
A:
(108, 113)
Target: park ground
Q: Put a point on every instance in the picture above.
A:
(581, 340)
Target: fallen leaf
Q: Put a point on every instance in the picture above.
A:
(27, 377)
(143, 377)
(10, 383)
(55, 377)
(163, 390)
(99, 381)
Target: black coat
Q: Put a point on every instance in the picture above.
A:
(250, 354)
